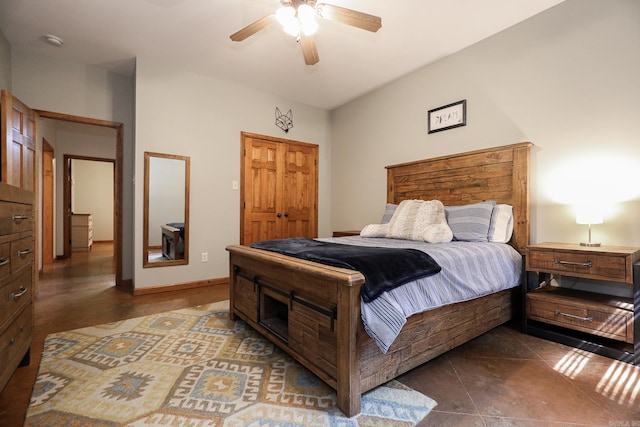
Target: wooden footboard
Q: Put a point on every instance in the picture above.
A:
(312, 312)
(309, 310)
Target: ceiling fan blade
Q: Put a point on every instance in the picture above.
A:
(350, 17)
(309, 50)
(252, 28)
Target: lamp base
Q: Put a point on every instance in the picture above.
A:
(589, 244)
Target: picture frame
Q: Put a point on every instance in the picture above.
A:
(448, 116)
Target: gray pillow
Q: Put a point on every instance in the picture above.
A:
(470, 223)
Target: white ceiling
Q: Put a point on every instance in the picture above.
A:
(194, 35)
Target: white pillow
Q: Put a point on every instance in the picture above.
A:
(375, 230)
(438, 233)
(420, 220)
(501, 226)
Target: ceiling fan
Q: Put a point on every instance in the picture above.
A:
(298, 18)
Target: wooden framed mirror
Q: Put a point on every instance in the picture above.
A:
(166, 210)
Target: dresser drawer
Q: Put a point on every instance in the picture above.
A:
(14, 343)
(15, 293)
(5, 259)
(21, 253)
(15, 218)
(581, 264)
(591, 313)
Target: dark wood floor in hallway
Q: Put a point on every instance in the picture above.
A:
(81, 292)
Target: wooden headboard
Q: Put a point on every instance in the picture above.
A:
(500, 174)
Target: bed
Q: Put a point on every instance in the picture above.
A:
(313, 311)
(173, 240)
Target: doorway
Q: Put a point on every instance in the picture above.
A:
(118, 181)
(88, 191)
(48, 189)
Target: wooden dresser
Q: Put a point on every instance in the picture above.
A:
(16, 278)
(81, 232)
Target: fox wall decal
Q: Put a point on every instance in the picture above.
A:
(284, 121)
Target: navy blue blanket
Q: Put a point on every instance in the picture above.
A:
(382, 268)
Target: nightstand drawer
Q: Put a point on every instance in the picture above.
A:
(612, 263)
(584, 264)
(591, 313)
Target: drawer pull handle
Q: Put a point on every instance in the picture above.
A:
(587, 264)
(24, 252)
(12, 341)
(573, 316)
(4, 261)
(19, 217)
(22, 291)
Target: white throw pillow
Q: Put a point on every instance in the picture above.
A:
(375, 230)
(438, 233)
(420, 220)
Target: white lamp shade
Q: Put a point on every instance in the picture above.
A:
(589, 215)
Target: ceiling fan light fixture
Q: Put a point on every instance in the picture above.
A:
(287, 18)
(298, 19)
(307, 18)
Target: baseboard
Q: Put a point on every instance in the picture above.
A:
(126, 284)
(181, 286)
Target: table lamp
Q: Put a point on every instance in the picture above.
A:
(589, 215)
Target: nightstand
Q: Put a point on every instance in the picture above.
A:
(603, 324)
(346, 233)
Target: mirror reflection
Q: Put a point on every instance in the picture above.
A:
(166, 210)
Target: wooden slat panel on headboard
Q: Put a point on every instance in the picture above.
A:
(500, 174)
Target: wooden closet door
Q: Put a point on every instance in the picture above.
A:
(279, 190)
(261, 197)
(18, 147)
(300, 191)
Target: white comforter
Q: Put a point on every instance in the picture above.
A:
(469, 270)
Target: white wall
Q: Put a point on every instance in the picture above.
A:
(179, 112)
(66, 87)
(5, 63)
(92, 193)
(566, 80)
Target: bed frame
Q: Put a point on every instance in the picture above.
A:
(312, 311)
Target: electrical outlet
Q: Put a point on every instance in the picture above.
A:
(205, 257)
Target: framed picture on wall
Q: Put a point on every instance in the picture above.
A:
(448, 116)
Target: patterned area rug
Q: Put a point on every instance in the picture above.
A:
(194, 367)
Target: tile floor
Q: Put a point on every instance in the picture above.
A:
(507, 378)
(503, 378)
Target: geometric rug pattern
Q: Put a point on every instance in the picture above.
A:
(194, 367)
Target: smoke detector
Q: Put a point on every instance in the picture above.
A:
(53, 40)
